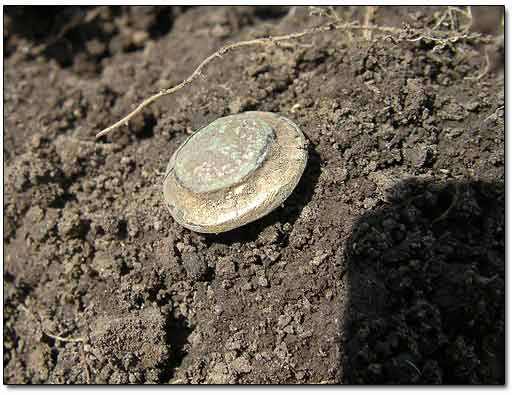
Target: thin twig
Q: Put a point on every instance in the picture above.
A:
(494, 112)
(85, 365)
(64, 339)
(219, 54)
(272, 41)
(454, 22)
(337, 18)
(319, 11)
(451, 206)
(330, 14)
(486, 69)
(414, 366)
(368, 16)
(334, 13)
(440, 21)
(290, 14)
(467, 14)
(48, 333)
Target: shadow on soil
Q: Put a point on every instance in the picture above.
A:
(67, 33)
(427, 287)
(177, 332)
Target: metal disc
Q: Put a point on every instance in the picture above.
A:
(234, 171)
(223, 153)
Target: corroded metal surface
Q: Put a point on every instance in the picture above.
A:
(234, 171)
(223, 153)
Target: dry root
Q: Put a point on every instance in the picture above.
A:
(65, 340)
(485, 70)
(440, 38)
(368, 18)
(454, 22)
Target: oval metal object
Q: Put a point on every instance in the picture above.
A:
(234, 171)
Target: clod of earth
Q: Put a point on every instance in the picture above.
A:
(234, 171)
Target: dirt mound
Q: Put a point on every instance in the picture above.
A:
(385, 265)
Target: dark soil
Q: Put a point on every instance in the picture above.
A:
(386, 265)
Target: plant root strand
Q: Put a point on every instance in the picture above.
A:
(443, 39)
(81, 340)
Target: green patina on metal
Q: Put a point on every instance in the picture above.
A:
(250, 162)
(223, 153)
